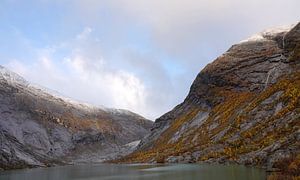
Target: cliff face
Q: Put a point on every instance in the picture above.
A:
(244, 107)
(39, 128)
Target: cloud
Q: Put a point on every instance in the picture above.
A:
(84, 34)
(191, 31)
(118, 89)
(136, 54)
(139, 83)
(82, 76)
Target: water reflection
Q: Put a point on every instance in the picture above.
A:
(137, 172)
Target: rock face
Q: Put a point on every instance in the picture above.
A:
(243, 108)
(39, 128)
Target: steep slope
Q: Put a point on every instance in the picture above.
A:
(243, 108)
(39, 128)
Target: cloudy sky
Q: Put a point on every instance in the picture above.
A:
(140, 55)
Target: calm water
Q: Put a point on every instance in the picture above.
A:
(137, 172)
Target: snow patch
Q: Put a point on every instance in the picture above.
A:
(269, 33)
(11, 77)
(16, 80)
(45, 91)
(133, 144)
(118, 111)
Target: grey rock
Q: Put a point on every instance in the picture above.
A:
(246, 134)
(41, 128)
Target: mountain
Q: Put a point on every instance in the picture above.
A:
(42, 128)
(243, 108)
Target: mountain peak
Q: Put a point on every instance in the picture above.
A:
(11, 77)
(270, 33)
(242, 108)
(39, 127)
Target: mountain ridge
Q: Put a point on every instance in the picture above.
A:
(38, 128)
(242, 108)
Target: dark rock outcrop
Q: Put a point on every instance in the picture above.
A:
(39, 128)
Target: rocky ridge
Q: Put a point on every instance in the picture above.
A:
(41, 128)
(243, 108)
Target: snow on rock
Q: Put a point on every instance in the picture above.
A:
(40, 127)
(49, 92)
(271, 32)
(15, 79)
(11, 77)
(133, 144)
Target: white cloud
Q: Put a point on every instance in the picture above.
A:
(119, 89)
(85, 79)
(85, 33)
(191, 31)
(93, 67)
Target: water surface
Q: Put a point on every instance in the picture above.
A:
(137, 172)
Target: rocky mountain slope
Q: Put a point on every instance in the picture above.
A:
(243, 108)
(39, 128)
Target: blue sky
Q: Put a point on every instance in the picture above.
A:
(139, 55)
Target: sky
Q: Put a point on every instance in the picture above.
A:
(140, 55)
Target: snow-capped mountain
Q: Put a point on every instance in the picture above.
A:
(39, 127)
(242, 108)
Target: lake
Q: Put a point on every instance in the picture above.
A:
(137, 172)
